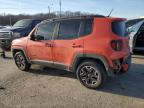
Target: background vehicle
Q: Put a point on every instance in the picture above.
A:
(19, 29)
(94, 47)
(132, 22)
(1, 27)
(137, 36)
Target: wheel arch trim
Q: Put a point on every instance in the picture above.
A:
(78, 57)
(24, 52)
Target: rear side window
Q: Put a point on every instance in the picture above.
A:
(69, 29)
(87, 27)
(119, 28)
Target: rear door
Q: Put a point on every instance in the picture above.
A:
(67, 43)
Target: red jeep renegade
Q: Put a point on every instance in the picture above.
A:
(95, 47)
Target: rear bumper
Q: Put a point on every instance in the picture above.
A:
(120, 66)
(127, 63)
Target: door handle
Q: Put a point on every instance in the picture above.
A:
(77, 46)
(48, 45)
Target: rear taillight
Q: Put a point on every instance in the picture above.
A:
(117, 45)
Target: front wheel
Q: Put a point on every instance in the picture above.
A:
(91, 74)
(21, 61)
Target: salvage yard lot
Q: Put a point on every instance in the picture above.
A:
(44, 87)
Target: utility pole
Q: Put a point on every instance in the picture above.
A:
(10, 19)
(49, 10)
(60, 7)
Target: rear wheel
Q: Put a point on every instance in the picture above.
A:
(21, 61)
(91, 74)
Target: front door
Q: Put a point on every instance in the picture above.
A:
(40, 46)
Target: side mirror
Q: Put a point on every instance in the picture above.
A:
(38, 37)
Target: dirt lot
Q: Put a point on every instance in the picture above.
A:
(43, 88)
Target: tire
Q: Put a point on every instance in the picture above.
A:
(91, 74)
(3, 55)
(21, 62)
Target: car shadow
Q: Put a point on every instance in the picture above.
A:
(130, 84)
(40, 70)
(7, 58)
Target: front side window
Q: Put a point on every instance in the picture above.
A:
(45, 30)
(69, 29)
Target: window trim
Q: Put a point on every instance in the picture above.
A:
(83, 23)
(53, 35)
(58, 28)
(119, 21)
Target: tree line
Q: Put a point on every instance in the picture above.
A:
(10, 19)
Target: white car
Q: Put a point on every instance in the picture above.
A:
(136, 34)
(1, 27)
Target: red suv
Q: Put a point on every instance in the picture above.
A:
(95, 47)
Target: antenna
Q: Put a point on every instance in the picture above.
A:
(10, 19)
(60, 3)
(110, 12)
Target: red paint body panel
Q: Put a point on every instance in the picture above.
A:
(38, 50)
(64, 51)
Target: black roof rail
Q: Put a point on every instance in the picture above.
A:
(73, 17)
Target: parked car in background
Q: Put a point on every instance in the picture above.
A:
(132, 22)
(1, 27)
(7, 26)
(137, 36)
(95, 47)
(19, 29)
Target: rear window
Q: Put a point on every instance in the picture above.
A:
(119, 28)
(87, 27)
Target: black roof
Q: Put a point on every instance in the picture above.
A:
(75, 17)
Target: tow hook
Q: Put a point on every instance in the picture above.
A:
(117, 66)
(125, 67)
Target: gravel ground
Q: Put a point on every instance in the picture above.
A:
(45, 88)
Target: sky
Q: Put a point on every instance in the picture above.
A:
(122, 8)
